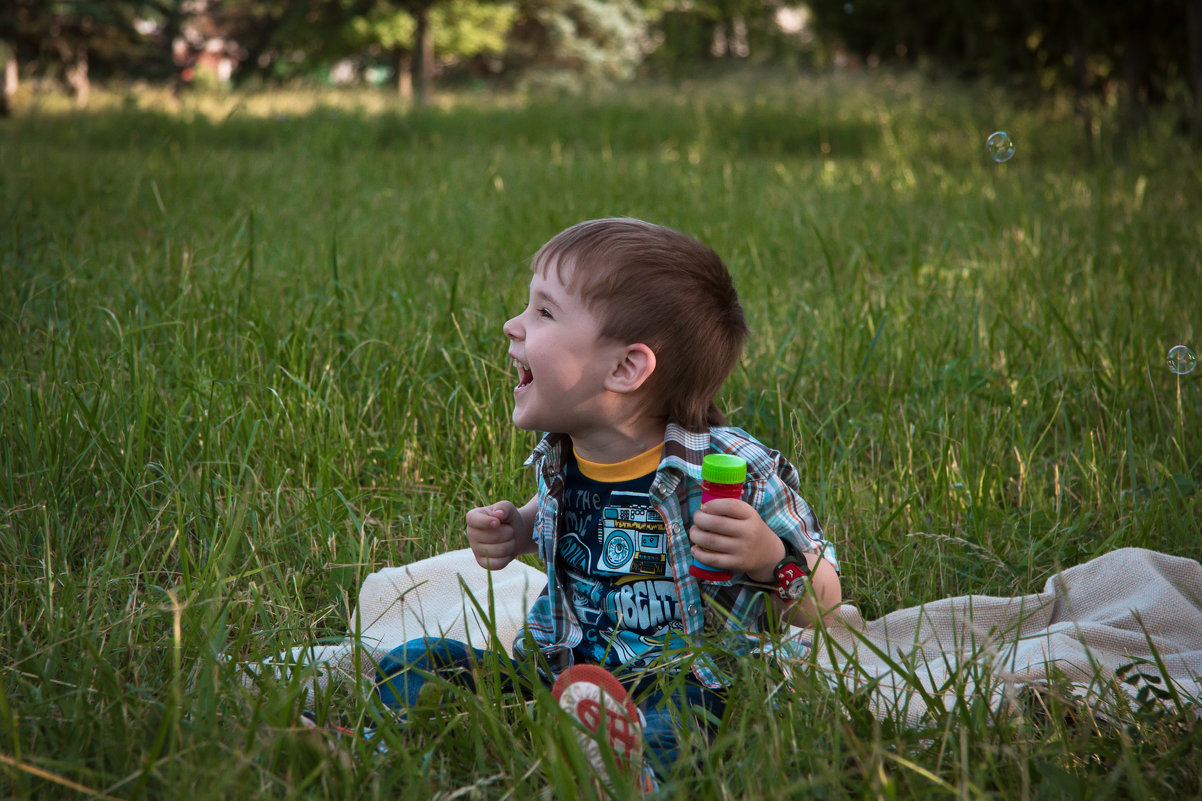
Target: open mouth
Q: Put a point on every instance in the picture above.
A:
(524, 374)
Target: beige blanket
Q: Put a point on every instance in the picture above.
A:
(1127, 607)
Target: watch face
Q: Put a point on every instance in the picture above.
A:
(791, 581)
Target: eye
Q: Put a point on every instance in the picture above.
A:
(545, 313)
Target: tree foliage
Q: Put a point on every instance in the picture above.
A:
(1141, 52)
(461, 28)
(75, 39)
(564, 43)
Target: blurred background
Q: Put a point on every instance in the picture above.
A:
(1132, 55)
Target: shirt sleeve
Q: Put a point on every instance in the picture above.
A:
(782, 508)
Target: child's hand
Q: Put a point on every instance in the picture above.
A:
(729, 534)
(497, 534)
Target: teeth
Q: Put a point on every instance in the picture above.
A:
(524, 374)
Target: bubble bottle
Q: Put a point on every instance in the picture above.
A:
(722, 476)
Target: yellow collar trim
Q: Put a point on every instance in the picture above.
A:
(634, 467)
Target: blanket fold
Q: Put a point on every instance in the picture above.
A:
(1127, 607)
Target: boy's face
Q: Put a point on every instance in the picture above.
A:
(562, 361)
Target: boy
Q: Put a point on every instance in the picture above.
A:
(629, 332)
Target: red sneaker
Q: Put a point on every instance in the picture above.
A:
(592, 695)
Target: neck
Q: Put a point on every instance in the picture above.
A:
(619, 443)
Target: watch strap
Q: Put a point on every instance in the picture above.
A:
(792, 573)
(789, 576)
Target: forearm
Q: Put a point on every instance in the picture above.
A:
(823, 595)
(524, 533)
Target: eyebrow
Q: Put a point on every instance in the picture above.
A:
(542, 296)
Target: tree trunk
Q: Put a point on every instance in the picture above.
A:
(1137, 68)
(404, 75)
(172, 25)
(11, 79)
(77, 77)
(1081, 74)
(1193, 22)
(720, 43)
(423, 62)
(739, 46)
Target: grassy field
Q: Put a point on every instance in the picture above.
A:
(250, 351)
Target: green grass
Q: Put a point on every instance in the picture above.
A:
(250, 351)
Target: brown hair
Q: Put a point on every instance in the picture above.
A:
(651, 284)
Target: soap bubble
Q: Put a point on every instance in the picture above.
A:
(1000, 146)
(1182, 359)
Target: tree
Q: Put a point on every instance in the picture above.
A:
(407, 32)
(565, 42)
(72, 37)
(1140, 52)
(9, 90)
(730, 19)
(412, 31)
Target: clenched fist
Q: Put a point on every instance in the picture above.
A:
(501, 532)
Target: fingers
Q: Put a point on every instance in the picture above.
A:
(485, 518)
(490, 535)
(493, 557)
(491, 518)
(729, 534)
(725, 516)
(503, 511)
(712, 542)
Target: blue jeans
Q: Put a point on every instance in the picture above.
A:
(671, 711)
(668, 711)
(407, 668)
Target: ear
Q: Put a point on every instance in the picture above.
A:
(635, 365)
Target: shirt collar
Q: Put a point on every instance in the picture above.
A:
(551, 445)
(683, 450)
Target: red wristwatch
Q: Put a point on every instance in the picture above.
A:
(792, 574)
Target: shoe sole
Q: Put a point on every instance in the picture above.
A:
(592, 695)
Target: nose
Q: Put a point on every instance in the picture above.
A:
(512, 328)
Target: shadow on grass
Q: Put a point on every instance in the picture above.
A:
(571, 129)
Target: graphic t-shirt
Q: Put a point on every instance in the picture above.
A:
(612, 557)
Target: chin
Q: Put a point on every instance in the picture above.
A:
(518, 423)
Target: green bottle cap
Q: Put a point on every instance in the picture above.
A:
(723, 468)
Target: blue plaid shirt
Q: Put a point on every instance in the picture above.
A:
(771, 489)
